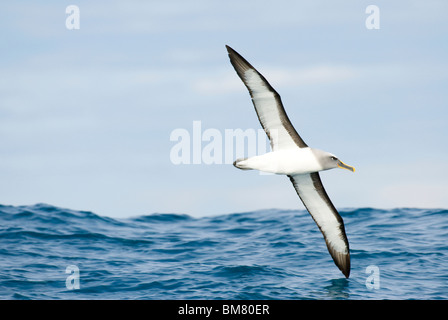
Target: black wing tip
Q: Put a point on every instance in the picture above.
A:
(230, 50)
(239, 63)
(346, 270)
(342, 261)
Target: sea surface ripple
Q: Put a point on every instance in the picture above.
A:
(269, 254)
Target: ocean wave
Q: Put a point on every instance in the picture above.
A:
(266, 254)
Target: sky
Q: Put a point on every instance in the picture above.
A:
(90, 117)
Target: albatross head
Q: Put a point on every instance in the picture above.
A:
(330, 161)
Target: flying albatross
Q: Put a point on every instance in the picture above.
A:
(291, 156)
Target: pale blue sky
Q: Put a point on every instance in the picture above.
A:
(86, 115)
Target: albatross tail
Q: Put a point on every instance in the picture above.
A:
(241, 164)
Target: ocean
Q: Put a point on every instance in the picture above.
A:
(48, 252)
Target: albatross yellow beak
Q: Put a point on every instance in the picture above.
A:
(342, 165)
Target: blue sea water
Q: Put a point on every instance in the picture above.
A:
(269, 254)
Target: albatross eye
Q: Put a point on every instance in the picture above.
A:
(333, 158)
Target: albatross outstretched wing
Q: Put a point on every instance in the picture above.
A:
(312, 193)
(268, 105)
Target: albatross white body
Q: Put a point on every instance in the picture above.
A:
(287, 162)
(291, 156)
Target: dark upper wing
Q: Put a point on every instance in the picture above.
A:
(268, 105)
(312, 193)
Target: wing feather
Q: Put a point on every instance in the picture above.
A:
(313, 195)
(268, 105)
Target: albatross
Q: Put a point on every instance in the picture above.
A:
(292, 157)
